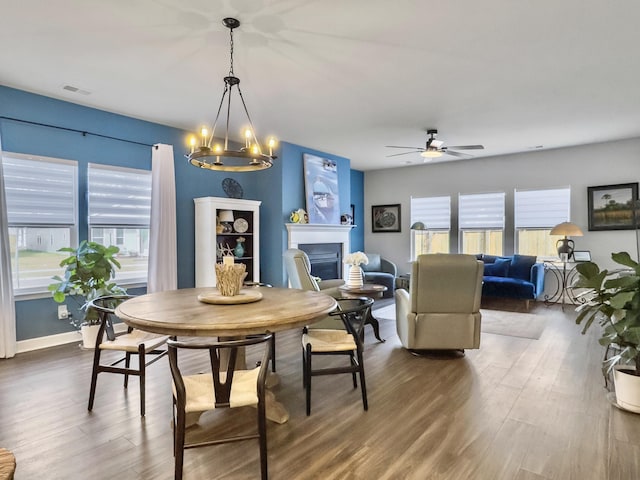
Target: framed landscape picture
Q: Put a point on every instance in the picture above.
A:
(611, 207)
(385, 218)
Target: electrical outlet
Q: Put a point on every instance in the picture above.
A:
(63, 313)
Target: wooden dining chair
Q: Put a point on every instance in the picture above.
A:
(320, 341)
(133, 342)
(223, 387)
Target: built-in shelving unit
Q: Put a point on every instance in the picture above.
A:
(213, 240)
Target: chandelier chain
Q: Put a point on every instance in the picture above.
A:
(231, 53)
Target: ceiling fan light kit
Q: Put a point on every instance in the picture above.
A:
(252, 156)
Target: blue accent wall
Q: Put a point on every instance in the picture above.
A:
(280, 188)
(357, 200)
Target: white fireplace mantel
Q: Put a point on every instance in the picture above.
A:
(306, 233)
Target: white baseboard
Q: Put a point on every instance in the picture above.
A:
(55, 340)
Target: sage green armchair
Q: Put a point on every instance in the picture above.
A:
(298, 268)
(442, 312)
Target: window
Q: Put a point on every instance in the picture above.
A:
(41, 211)
(119, 214)
(435, 213)
(481, 223)
(536, 213)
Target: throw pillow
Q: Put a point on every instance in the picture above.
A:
(500, 268)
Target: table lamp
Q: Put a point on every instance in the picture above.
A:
(226, 219)
(565, 246)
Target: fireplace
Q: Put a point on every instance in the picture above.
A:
(309, 234)
(325, 259)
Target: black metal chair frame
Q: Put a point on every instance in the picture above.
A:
(222, 394)
(353, 318)
(105, 306)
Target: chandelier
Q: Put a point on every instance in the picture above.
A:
(206, 154)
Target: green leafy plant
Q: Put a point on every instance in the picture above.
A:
(614, 302)
(89, 271)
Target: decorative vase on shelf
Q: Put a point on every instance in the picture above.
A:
(238, 251)
(355, 277)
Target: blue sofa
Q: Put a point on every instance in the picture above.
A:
(517, 276)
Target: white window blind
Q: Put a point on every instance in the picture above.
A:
(542, 208)
(118, 196)
(434, 212)
(482, 211)
(40, 191)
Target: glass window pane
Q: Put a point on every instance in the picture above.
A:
(482, 241)
(134, 251)
(34, 256)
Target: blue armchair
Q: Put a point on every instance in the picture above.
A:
(381, 271)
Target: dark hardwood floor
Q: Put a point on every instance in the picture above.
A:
(515, 409)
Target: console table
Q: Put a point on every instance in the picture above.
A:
(565, 274)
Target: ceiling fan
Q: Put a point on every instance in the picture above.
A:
(436, 148)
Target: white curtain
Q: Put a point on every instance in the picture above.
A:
(7, 307)
(163, 251)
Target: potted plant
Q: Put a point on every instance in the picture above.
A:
(89, 270)
(614, 302)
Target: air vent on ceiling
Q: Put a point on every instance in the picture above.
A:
(71, 88)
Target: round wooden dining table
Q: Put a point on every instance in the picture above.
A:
(179, 313)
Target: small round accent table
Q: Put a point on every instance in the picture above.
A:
(371, 290)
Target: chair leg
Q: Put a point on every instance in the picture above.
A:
(127, 362)
(307, 375)
(262, 431)
(353, 374)
(273, 352)
(94, 377)
(363, 385)
(142, 368)
(178, 433)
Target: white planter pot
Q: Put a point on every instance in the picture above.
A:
(627, 388)
(89, 335)
(355, 279)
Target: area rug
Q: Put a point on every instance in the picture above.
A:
(497, 322)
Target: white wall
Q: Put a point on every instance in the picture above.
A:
(578, 167)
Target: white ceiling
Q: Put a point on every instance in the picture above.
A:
(345, 77)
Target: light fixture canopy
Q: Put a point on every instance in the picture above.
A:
(205, 154)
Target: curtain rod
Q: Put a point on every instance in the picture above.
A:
(83, 132)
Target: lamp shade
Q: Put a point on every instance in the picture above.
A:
(567, 229)
(226, 216)
(418, 226)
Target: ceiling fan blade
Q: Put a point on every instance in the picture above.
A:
(457, 154)
(396, 146)
(466, 147)
(405, 153)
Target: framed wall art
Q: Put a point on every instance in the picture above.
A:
(385, 218)
(321, 190)
(611, 207)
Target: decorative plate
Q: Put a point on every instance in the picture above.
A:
(232, 188)
(240, 225)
